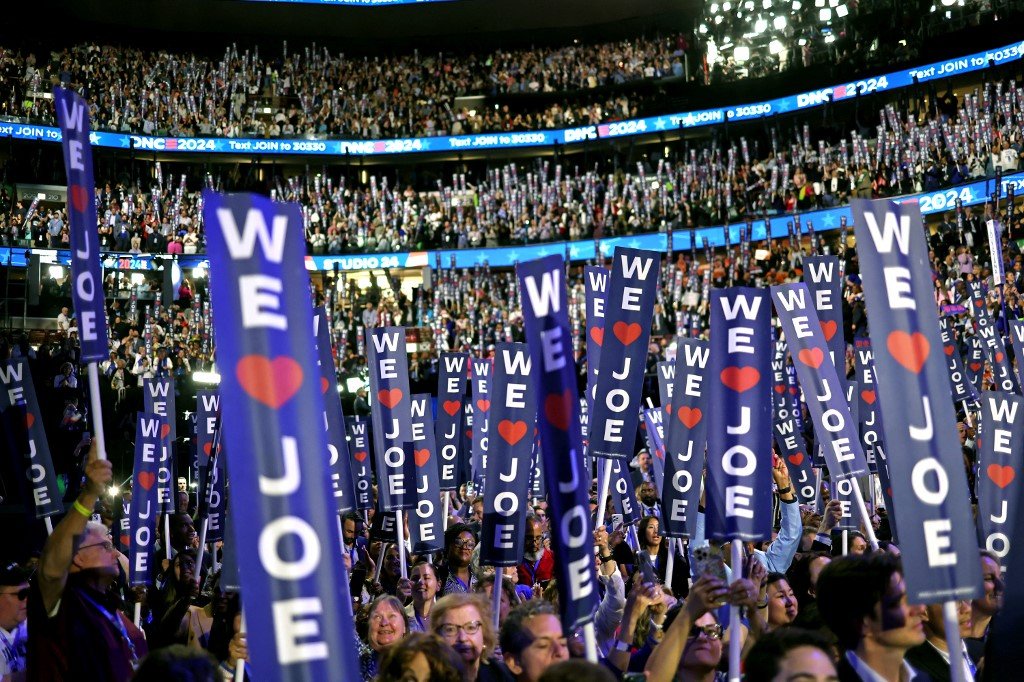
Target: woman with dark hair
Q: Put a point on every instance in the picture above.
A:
(789, 654)
(420, 657)
(856, 543)
(380, 625)
(424, 590)
(782, 608)
(803, 579)
(654, 552)
(455, 574)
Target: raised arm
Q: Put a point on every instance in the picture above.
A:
(59, 548)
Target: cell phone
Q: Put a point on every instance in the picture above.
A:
(708, 561)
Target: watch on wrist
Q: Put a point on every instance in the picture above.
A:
(619, 645)
(787, 489)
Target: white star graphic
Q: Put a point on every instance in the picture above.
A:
(689, 120)
(634, 244)
(574, 251)
(606, 248)
(542, 253)
(829, 221)
(660, 123)
(94, 138)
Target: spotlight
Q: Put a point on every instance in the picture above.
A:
(825, 14)
(741, 53)
(842, 11)
(779, 22)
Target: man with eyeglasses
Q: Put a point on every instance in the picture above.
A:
(463, 621)
(78, 633)
(13, 613)
(532, 640)
(538, 564)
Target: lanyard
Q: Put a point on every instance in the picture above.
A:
(11, 653)
(118, 625)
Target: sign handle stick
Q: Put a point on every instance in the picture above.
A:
(671, 565)
(444, 510)
(953, 642)
(602, 500)
(203, 527)
(400, 532)
(49, 525)
(240, 663)
(137, 618)
(967, 415)
(817, 487)
(590, 641)
(380, 562)
(869, 530)
(169, 551)
(735, 644)
(846, 542)
(496, 590)
(97, 410)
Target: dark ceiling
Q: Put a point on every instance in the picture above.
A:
(466, 23)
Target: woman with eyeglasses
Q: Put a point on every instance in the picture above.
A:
(456, 574)
(379, 625)
(464, 621)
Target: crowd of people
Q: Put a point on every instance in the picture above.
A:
(922, 147)
(312, 92)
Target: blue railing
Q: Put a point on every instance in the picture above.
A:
(537, 138)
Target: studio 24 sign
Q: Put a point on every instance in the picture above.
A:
(928, 480)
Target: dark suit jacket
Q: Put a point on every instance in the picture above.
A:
(926, 659)
(847, 673)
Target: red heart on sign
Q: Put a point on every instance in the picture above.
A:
(512, 431)
(780, 389)
(627, 333)
(796, 459)
(271, 382)
(668, 409)
(979, 303)
(1002, 476)
(165, 430)
(949, 350)
(910, 350)
(124, 540)
(30, 419)
(389, 397)
(829, 328)
(557, 408)
(360, 456)
(452, 407)
(207, 447)
(79, 198)
(689, 416)
(469, 434)
(484, 405)
(421, 456)
(147, 479)
(868, 397)
(323, 384)
(740, 379)
(812, 357)
(792, 390)
(999, 357)
(975, 366)
(597, 334)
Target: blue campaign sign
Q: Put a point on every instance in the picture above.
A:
(298, 607)
(389, 386)
(158, 398)
(789, 439)
(1001, 454)
(868, 411)
(338, 458)
(207, 425)
(536, 138)
(146, 504)
(629, 300)
(451, 388)
(359, 445)
(822, 276)
(958, 381)
(595, 282)
(506, 488)
(926, 470)
(481, 409)
(739, 479)
(546, 319)
(86, 275)
(986, 330)
(1017, 342)
(26, 436)
(426, 523)
(834, 427)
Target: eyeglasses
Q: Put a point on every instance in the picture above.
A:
(534, 539)
(107, 546)
(450, 630)
(465, 544)
(385, 617)
(21, 594)
(713, 631)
